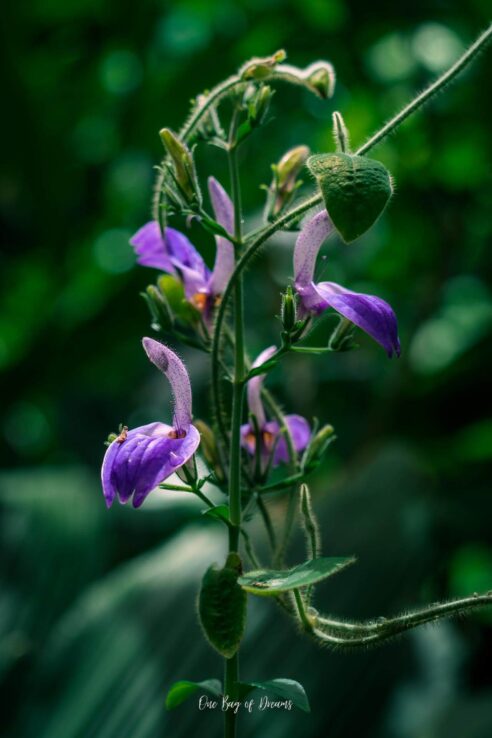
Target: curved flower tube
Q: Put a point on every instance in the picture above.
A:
(269, 433)
(176, 255)
(372, 314)
(140, 459)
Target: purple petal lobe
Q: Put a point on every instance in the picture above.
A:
(308, 244)
(300, 433)
(151, 248)
(145, 459)
(186, 259)
(372, 314)
(174, 369)
(109, 489)
(255, 404)
(224, 260)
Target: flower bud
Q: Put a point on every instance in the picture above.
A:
(160, 310)
(342, 338)
(209, 448)
(183, 166)
(259, 105)
(318, 445)
(320, 79)
(173, 293)
(340, 134)
(288, 310)
(355, 190)
(222, 606)
(260, 68)
(284, 182)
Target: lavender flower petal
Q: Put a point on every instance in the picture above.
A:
(174, 369)
(148, 455)
(255, 404)
(186, 259)
(308, 244)
(151, 249)
(300, 433)
(224, 260)
(372, 314)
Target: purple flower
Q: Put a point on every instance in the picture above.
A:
(269, 430)
(176, 255)
(368, 312)
(140, 459)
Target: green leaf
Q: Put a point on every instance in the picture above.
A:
(220, 512)
(286, 689)
(268, 582)
(180, 691)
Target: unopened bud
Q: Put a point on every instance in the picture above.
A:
(260, 68)
(342, 338)
(290, 165)
(340, 133)
(318, 445)
(285, 182)
(183, 166)
(288, 310)
(259, 105)
(320, 78)
(160, 310)
(173, 292)
(209, 448)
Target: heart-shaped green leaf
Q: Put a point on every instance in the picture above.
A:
(285, 689)
(180, 691)
(355, 190)
(268, 583)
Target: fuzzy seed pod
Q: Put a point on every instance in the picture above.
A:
(355, 190)
(222, 606)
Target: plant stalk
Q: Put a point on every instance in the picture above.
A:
(231, 672)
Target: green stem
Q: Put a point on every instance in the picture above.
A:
(239, 366)
(232, 665)
(231, 677)
(267, 521)
(430, 91)
(302, 611)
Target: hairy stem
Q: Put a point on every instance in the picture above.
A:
(436, 86)
(350, 635)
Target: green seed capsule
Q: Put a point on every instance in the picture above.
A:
(355, 190)
(222, 607)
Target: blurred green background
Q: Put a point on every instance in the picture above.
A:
(96, 607)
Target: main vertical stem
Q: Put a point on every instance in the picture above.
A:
(231, 674)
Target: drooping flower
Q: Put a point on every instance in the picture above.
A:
(372, 314)
(176, 255)
(268, 431)
(140, 459)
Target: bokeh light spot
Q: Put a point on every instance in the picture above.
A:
(112, 251)
(436, 46)
(391, 58)
(26, 428)
(121, 72)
